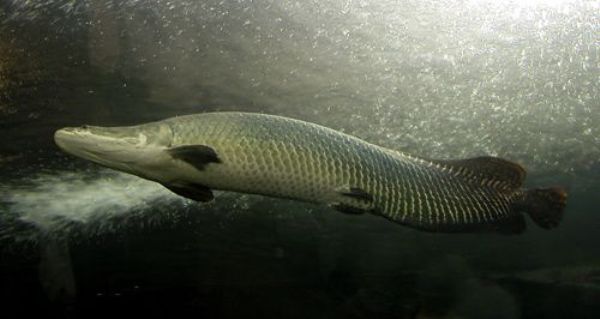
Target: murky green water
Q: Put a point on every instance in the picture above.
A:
(443, 79)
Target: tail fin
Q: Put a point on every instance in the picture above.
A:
(545, 205)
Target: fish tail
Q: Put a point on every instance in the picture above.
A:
(545, 206)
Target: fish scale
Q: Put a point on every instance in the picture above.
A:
(294, 159)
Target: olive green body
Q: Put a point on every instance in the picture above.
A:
(282, 157)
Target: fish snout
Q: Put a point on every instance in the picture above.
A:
(68, 137)
(63, 136)
(73, 130)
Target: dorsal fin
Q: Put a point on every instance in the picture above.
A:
(488, 170)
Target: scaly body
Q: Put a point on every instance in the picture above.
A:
(282, 157)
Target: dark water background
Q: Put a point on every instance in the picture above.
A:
(447, 79)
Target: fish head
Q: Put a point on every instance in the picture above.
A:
(132, 149)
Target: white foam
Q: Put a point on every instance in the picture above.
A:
(54, 202)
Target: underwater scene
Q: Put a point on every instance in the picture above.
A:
(300, 159)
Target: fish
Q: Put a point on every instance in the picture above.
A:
(281, 157)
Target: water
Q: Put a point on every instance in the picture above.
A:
(443, 79)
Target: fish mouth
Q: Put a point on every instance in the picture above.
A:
(67, 137)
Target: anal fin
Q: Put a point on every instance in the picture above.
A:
(192, 191)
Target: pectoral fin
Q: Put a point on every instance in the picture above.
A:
(196, 155)
(196, 192)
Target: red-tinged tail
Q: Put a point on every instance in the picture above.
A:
(545, 206)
